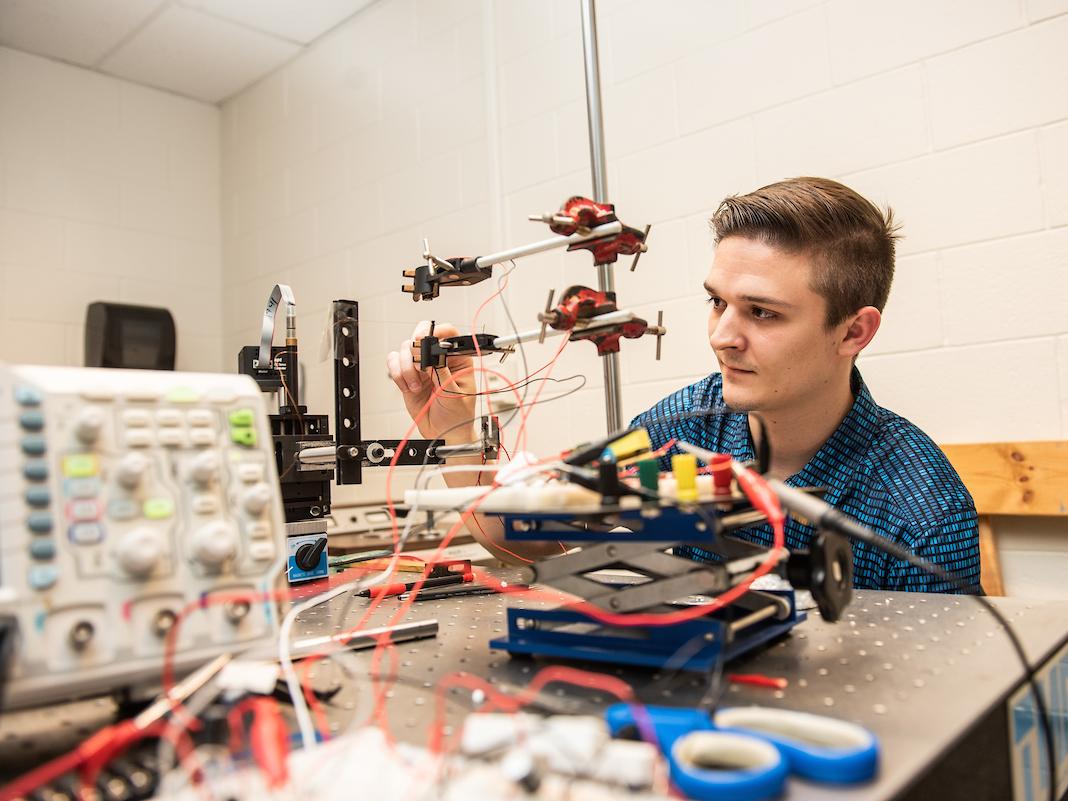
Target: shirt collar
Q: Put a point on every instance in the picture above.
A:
(840, 453)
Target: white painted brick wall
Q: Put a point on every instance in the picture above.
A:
(950, 111)
(109, 191)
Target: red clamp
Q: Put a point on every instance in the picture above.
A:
(578, 303)
(580, 214)
(582, 303)
(607, 341)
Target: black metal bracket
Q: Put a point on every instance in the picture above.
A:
(434, 351)
(427, 282)
(346, 322)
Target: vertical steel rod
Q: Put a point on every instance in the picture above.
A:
(598, 166)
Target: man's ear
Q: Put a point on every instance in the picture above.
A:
(859, 330)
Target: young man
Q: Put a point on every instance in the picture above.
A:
(802, 271)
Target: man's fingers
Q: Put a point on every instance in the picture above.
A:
(394, 367)
(408, 370)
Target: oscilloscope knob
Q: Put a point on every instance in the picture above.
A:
(88, 425)
(214, 543)
(139, 551)
(131, 470)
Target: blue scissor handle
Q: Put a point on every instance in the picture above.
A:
(689, 744)
(669, 722)
(819, 748)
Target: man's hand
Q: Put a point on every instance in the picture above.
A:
(451, 415)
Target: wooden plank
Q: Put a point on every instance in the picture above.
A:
(1014, 478)
(988, 555)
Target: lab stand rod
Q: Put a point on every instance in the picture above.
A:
(598, 168)
(608, 229)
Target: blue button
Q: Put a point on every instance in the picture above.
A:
(40, 522)
(27, 396)
(43, 548)
(81, 487)
(33, 445)
(124, 509)
(32, 420)
(42, 577)
(86, 533)
(38, 496)
(36, 470)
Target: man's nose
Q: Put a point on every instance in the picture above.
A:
(723, 331)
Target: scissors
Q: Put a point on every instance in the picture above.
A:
(746, 753)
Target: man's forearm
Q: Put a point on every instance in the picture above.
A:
(488, 529)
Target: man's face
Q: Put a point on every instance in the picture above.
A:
(768, 328)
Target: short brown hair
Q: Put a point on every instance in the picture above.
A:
(849, 238)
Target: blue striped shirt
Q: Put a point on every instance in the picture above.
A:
(878, 468)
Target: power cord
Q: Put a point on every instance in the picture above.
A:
(823, 516)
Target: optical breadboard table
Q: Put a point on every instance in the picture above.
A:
(933, 676)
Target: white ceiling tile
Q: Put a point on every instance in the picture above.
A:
(197, 55)
(297, 20)
(78, 31)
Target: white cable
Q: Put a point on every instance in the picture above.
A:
(296, 692)
(300, 706)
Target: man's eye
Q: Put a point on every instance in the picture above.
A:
(763, 314)
(717, 303)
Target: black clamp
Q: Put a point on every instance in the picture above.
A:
(427, 280)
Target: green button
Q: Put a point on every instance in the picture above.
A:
(244, 436)
(242, 418)
(158, 508)
(80, 465)
(183, 395)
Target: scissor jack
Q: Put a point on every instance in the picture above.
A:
(621, 574)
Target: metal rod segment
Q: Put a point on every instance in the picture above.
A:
(608, 229)
(592, 324)
(613, 401)
(593, 102)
